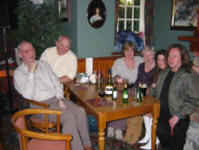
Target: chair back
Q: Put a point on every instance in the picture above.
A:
(30, 140)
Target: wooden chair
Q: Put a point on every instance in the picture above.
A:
(32, 140)
(37, 122)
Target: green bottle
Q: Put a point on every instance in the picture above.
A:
(125, 94)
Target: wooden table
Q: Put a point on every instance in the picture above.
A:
(117, 110)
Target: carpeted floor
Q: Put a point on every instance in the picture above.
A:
(9, 138)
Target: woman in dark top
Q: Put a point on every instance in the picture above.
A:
(161, 64)
(146, 69)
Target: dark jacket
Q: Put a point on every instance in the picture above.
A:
(183, 95)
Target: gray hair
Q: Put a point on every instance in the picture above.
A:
(63, 36)
(148, 48)
(21, 43)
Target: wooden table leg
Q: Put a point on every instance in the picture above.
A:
(101, 133)
(155, 113)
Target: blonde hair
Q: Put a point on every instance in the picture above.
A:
(127, 45)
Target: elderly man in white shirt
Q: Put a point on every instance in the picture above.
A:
(61, 59)
(36, 80)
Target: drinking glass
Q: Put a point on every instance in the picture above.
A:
(101, 94)
(134, 92)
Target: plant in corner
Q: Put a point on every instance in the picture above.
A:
(38, 23)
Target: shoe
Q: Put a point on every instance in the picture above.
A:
(118, 134)
(148, 125)
(110, 133)
(148, 145)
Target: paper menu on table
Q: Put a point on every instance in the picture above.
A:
(89, 66)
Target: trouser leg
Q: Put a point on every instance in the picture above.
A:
(81, 122)
(70, 127)
(179, 136)
(68, 121)
(163, 132)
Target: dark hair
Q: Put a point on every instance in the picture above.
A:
(186, 63)
(127, 45)
(157, 69)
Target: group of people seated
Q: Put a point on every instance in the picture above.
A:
(168, 74)
(171, 77)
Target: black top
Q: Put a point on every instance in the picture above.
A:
(164, 107)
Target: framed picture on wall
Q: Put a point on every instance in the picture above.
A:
(64, 10)
(184, 14)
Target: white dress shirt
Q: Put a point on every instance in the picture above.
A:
(40, 85)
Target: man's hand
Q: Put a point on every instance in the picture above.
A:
(61, 104)
(172, 122)
(65, 79)
(32, 66)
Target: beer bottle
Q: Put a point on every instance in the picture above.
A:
(109, 84)
(125, 94)
(115, 92)
(99, 79)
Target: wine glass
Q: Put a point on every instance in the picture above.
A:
(101, 94)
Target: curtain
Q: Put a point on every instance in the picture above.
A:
(116, 17)
(149, 27)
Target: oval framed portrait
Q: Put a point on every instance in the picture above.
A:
(96, 13)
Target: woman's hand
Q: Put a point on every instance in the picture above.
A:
(118, 79)
(153, 85)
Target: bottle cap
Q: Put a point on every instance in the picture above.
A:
(109, 71)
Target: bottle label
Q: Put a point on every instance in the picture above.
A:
(125, 96)
(109, 90)
(139, 96)
(114, 94)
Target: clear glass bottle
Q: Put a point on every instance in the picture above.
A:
(109, 83)
(115, 92)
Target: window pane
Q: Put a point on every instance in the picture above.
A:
(122, 2)
(121, 25)
(129, 2)
(121, 12)
(129, 25)
(129, 12)
(137, 13)
(136, 26)
(137, 2)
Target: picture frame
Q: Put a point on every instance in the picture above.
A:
(64, 10)
(184, 15)
(96, 13)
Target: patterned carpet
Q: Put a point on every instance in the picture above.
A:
(9, 138)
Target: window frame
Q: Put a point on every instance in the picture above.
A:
(125, 19)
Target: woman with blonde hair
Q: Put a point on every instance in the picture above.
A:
(125, 68)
